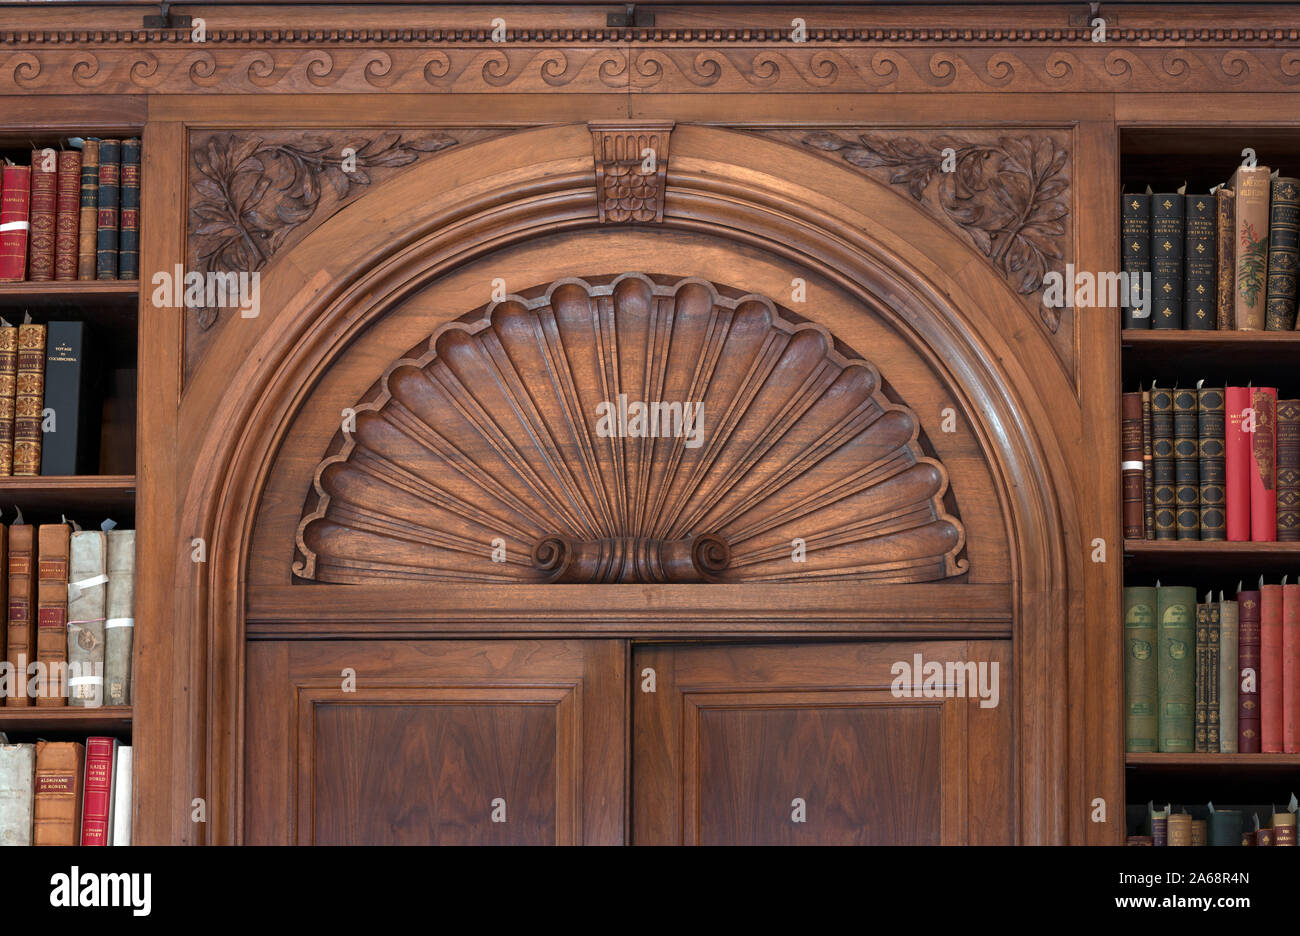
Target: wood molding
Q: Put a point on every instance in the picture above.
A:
(627, 190)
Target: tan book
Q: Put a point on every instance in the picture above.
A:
(88, 225)
(57, 802)
(8, 381)
(1251, 185)
(21, 651)
(52, 613)
(87, 581)
(1284, 829)
(1200, 832)
(1180, 829)
(29, 399)
(119, 629)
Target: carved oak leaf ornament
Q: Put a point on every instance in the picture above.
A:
(1008, 196)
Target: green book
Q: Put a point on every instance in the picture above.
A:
(1227, 676)
(1176, 677)
(1225, 826)
(1140, 669)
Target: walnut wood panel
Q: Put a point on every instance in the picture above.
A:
(731, 736)
(429, 736)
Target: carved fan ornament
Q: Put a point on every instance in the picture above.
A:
(629, 429)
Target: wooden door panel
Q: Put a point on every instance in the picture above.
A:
(735, 739)
(435, 741)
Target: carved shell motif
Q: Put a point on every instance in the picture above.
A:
(628, 429)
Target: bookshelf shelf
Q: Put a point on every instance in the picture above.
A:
(110, 719)
(1281, 762)
(65, 492)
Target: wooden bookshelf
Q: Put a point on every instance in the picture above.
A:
(72, 719)
(112, 493)
(1280, 762)
(81, 290)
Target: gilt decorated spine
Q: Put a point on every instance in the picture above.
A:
(45, 175)
(1187, 484)
(1167, 237)
(15, 221)
(1263, 476)
(1251, 183)
(1162, 462)
(1148, 473)
(1135, 251)
(1226, 265)
(1248, 667)
(68, 208)
(21, 651)
(1140, 669)
(8, 386)
(88, 219)
(1228, 677)
(1210, 432)
(1288, 471)
(1200, 291)
(129, 233)
(1176, 658)
(110, 177)
(1131, 465)
(1283, 251)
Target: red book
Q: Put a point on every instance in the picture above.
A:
(15, 194)
(1263, 479)
(67, 221)
(1270, 668)
(1291, 669)
(97, 798)
(45, 177)
(1248, 672)
(1237, 464)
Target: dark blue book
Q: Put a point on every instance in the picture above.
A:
(70, 444)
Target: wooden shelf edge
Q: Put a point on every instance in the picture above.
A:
(1212, 760)
(1158, 337)
(87, 288)
(1173, 548)
(34, 719)
(68, 482)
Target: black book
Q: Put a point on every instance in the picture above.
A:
(110, 179)
(1135, 255)
(1167, 235)
(1283, 253)
(1162, 463)
(1200, 285)
(1187, 477)
(70, 444)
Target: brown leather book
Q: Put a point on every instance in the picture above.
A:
(29, 399)
(1180, 829)
(56, 818)
(1251, 183)
(67, 215)
(1288, 471)
(45, 175)
(88, 221)
(8, 381)
(1200, 832)
(1226, 246)
(52, 612)
(22, 598)
(1148, 472)
(1131, 465)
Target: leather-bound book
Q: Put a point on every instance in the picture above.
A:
(1283, 252)
(1135, 255)
(97, 795)
(71, 382)
(1210, 463)
(1200, 290)
(45, 184)
(1288, 470)
(119, 629)
(1264, 837)
(1200, 834)
(1248, 664)
(1238, 464)
(15, 221)
(1284, 829)
(87, 581)
(8, 383)
(67, 215)
(1226, 260)
(1176, 659)
(1229, 680)
(1263, 477)
(21, 652)
(1167, 236)
(1187, 479)
(29, 399)
(1291, 668)
(1140, 669)
(129, 237)
(1214, 627)
(1131, 464)
(1248, 838)
(1180, 830)
(1148, 472)
(52, 612)
(1158, 820)
(17, 781)
(88, 215)
(1251, 183)
(1224, 827)
(1162, 462)
(4, 631)
(1270, 668)
(1202, 678)
(59, 772)
(110, 177)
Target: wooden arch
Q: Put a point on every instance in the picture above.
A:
(859, 235)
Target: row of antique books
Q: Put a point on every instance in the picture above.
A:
(1210, 463)
(1226, 260)
(72, 214)
(49, 404)
(1219, 827)
(70, 629)
(65, 793)
(1216, 677)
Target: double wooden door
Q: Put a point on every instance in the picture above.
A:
(609, 742)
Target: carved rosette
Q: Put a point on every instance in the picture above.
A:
(628, 429)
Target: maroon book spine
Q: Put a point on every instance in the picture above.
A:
(1248, 637)
(1270, 669)
(1263, 478)
(45, 175)
(1131, 464)
(97, 791)
(67, 215)
(15, 198)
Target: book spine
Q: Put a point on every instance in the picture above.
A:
(1270, 669)
(66, 451)
(1248, 638)
(122, 786)
(15, 222)
(67, 214)
(22, 594)
(119, 629)
(1228, 678)
(1187, 480)
(1180, 830)
(1283, 251)
(17, 777)
(1288, 470)
(1160, 829)
(1224, 828)
(8, 384)
(1291, 669)
(1238, 465)
(1284, 830)
(1131, 464)
(1210, 463)
(1148, 472)
(1140, 669)
(29, 399)
(1200, 296)
(45, 175)
(1202, 678)
(1167, 237)
(86, 602)
(1263, 476)
(1162, 462)
(52, 613)
(1135, 251)
(97, 795)
(1226, 261)
(1176, 678)
(129, 238)
(1251, 184)
(106, 246)
(60, 767)
(88, 222)
(1212, 678)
